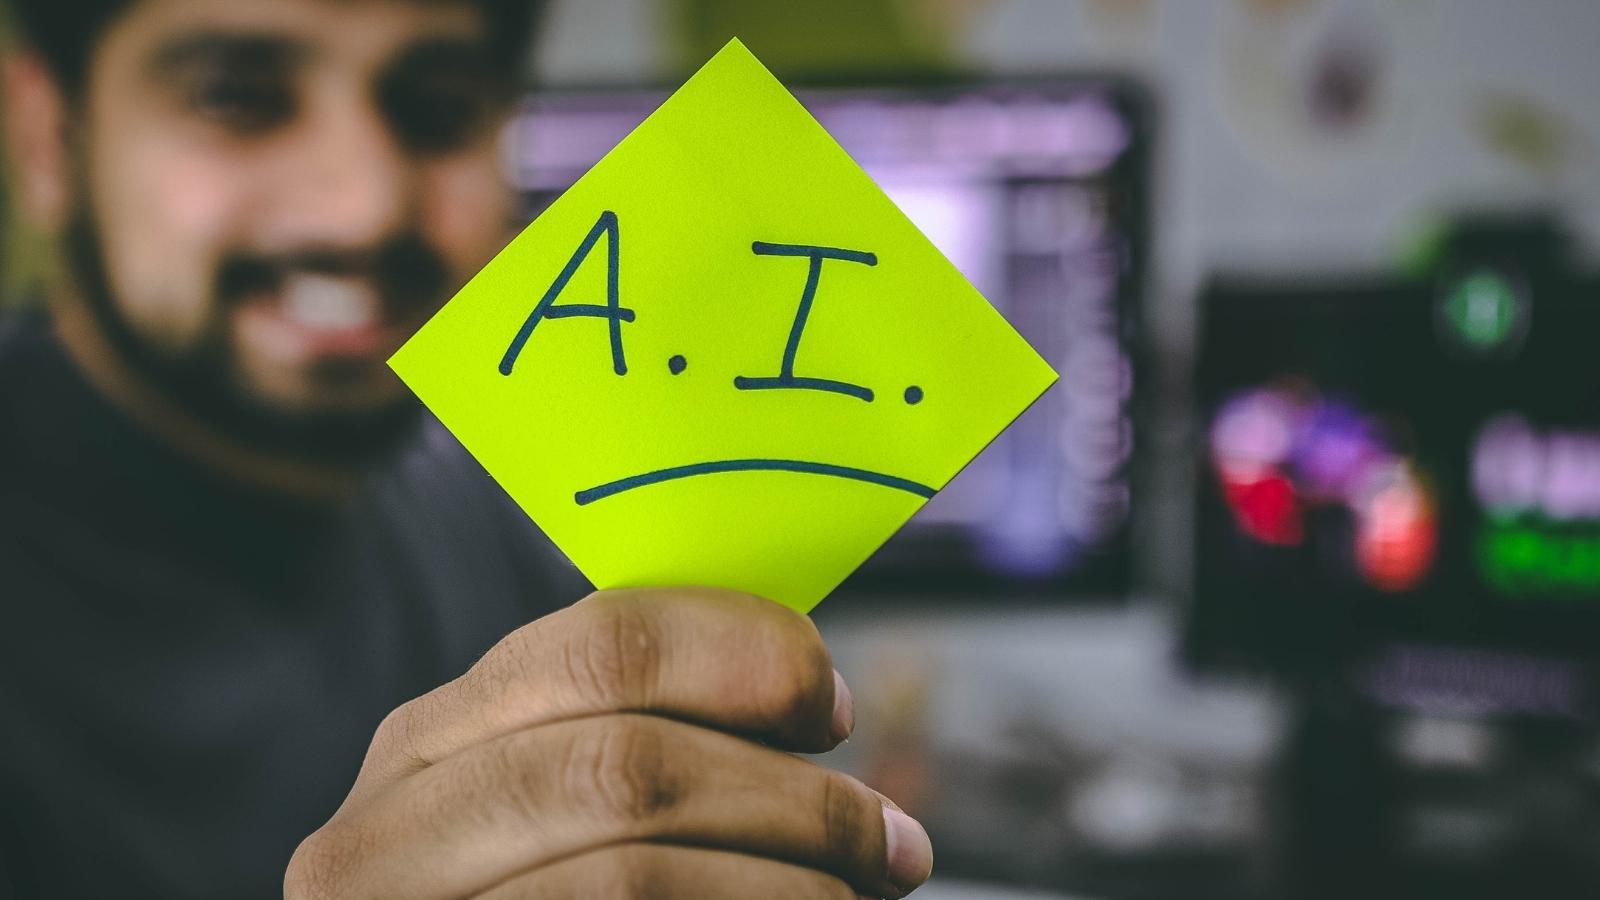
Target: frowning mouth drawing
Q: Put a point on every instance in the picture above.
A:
(804, 467)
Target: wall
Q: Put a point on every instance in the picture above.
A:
(1242, 182)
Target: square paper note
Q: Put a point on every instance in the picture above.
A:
(724, 357)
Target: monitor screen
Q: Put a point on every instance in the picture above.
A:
(1404, 476)
(1036, 193)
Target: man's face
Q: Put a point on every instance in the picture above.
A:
(277, 193)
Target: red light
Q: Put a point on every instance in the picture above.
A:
(1266, 507)
(1396, 538)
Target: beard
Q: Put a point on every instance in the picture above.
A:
(205, 378)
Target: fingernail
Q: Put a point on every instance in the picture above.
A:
(844, 709)
(910, 852)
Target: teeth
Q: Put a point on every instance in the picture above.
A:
(329, 304)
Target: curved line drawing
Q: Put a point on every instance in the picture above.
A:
(600, 492)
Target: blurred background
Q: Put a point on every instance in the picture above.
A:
(1291, 588)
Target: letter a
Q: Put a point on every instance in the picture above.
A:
(612, 311)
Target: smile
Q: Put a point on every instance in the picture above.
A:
(600, 492)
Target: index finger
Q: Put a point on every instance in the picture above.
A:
(727, 660)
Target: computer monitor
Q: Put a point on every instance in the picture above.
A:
(1036, 192)
(1400, 481)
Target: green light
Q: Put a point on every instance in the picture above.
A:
(1522, 560)
(1482, 307)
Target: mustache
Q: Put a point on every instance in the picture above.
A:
(408, 273)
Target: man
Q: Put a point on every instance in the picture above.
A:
(230, 546)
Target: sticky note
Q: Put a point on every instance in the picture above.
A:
(723, 357)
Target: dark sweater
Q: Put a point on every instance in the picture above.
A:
(190, 672)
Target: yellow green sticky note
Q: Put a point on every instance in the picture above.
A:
(723, 357)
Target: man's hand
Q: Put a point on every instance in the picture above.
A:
(629, 746)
